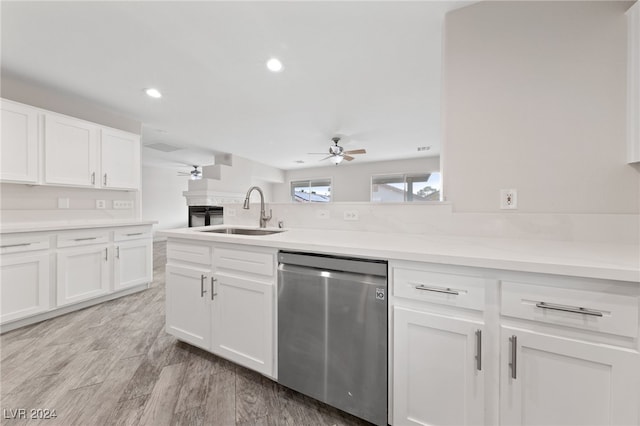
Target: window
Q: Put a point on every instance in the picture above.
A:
(311, 191)
(410, 187)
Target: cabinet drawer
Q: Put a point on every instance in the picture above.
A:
(191, 253)
(590, 310)
(244, 261)
(81, 238)
(134, 233)
(447, 289)
(20, 243)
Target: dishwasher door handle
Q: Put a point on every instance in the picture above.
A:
(329, 274)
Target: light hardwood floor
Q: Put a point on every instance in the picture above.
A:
(113, 364)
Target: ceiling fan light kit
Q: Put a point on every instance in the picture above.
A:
(194, 174)
(337, 153)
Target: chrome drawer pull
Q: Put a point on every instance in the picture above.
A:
(514, 355)
(572, 309)
(16, 245)
(135, 233)
(85, 239)
(437, 289)
(202, 290)
(479, 350)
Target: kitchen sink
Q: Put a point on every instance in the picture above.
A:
(243, 231)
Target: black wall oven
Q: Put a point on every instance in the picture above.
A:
(205, 215)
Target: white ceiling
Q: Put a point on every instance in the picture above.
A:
(367, 70)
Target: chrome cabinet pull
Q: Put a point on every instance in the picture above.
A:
(105, 179)
(16, 245)
(213, 295)
(572, 309)
(118, 252)
(202, 290)
(135, 233)
(479, 350)
(106, 254)
(514, 354)
(446, 290)
(85, 239)
(93, 178)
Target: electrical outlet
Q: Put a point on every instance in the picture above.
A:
(230, 212)
(322, 214)
(101, 204)
(63, 203)
(351, 215)
(508, 199)
(122, 204)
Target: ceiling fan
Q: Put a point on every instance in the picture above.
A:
(337, 153)
(194, 174)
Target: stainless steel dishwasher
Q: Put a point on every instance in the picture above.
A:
(332, 331)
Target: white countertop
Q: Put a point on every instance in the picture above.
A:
(581, 259)
(62, 225)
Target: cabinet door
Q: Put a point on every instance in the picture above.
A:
(24, 285)
(120, 159)
(188, 311)
(437, 377)
(19, 143)
(243, 322)
(83, 273)
(133, 263)
(71, 151)
(562, 381)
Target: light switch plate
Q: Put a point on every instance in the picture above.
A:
(122, 204)
(101, 204)
(63, 203)
(351, 215)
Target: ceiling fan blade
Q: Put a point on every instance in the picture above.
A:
(348, 157)
(326, 158)
(356, 151)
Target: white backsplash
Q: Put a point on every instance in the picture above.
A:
(439, 219)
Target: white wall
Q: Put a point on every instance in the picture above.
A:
(352, 182)
(534, 99)
(162, 198)
(32, 203)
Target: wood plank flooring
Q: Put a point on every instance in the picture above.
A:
(113, 364)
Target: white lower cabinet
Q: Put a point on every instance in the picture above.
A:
(24, 285)
(551, 380)
(242, 322)
(83, 273)
(221, 298)
(437, 365)
(188, 310)
(132, 263)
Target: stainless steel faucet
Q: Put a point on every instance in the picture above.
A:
(263, 217)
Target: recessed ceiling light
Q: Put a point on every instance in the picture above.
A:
(154, 93)
(423, 148)
(274, 65)
(299, 161)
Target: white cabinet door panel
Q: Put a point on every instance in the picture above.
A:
(563, 381)
(71, 151)
(188, 311)
(19, 143)
(436, 375)
(83, 273)
(24, 285)
(133, 263)
(243, 322)
(120, 159)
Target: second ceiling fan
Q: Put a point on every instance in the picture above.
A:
(337, 153)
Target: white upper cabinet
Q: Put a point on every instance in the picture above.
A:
(19, 143)
(633, 84)
(71, 151)
(120, 159)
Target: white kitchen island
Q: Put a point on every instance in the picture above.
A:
(481, 331)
